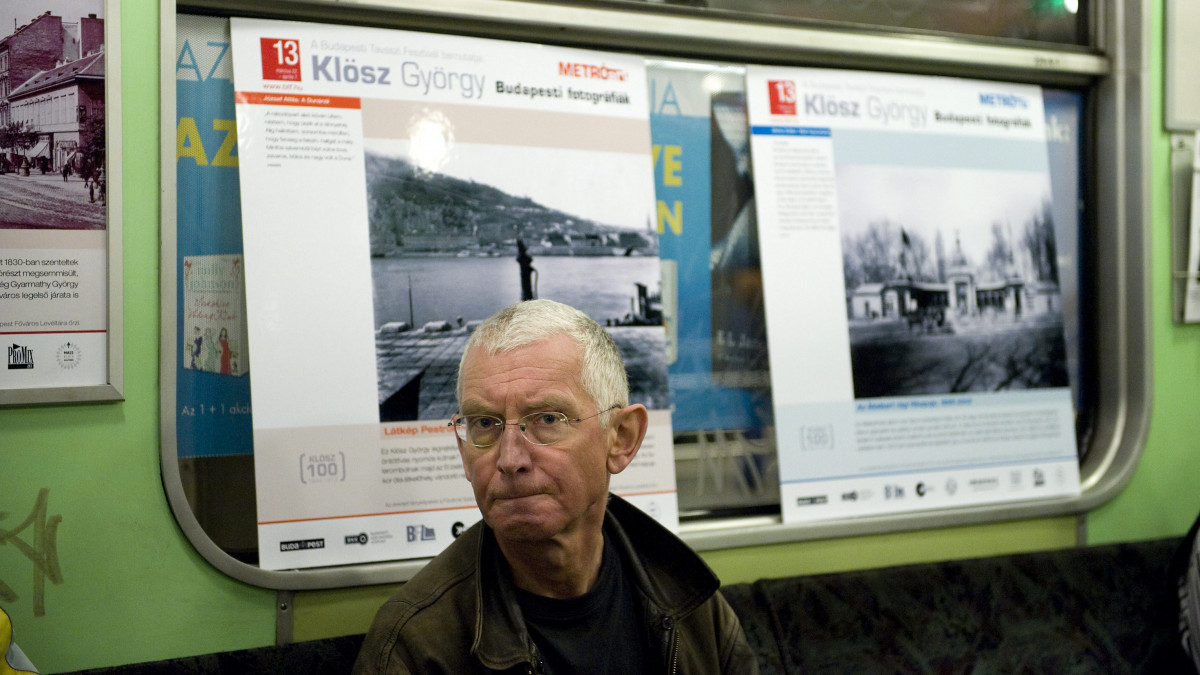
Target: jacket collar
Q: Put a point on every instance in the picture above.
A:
(670, 576)
(674, 579)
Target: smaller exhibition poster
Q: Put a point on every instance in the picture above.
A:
(54, 244)
(397, 188)
(916, 335)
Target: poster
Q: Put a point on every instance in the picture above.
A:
(396, 188)
(53, 196)
(212, 414)
(1191, 303)
(1064, 144)
(709, 246)
(916, 331)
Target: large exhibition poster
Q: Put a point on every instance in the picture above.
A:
(916, 328)
(54, 244)
(708, 245)
(396, 189)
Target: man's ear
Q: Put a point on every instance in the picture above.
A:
(627, 428)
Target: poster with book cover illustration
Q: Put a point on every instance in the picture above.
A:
(212, 411)
(916, 334)
(431, 180)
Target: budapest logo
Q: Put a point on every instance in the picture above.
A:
(280, 59)
(301, 545)
(20, 358)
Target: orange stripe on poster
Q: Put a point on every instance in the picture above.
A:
(304, 100)
(366, 515)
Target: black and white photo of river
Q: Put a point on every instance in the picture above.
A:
(448, 251)
(472, 288)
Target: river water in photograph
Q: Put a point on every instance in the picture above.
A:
(471, 288)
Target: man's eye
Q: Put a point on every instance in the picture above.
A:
(483, 423)
(547, 419)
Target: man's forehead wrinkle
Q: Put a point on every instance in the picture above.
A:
(531, 391)
(536, 377)
(553, 395)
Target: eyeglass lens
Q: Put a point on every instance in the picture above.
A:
(541, 428)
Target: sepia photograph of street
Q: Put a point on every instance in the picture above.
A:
(52, 155)
(449, 249)
(951, 280)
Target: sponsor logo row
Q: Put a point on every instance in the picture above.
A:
(23, 357)
(1016, 479)
(412, 534)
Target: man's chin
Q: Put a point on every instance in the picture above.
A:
(519, 505)
(511, 521)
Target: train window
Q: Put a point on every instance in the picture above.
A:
(1061, 22)
(1087, 236)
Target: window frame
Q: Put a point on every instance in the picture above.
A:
(1115, 73)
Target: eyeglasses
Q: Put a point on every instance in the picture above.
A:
(540, 428)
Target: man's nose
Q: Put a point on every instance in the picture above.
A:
(513, 449)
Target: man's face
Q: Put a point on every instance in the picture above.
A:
(530, 492)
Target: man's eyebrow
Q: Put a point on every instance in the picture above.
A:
(550, 403)
(473, 407)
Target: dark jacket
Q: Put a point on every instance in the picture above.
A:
(459, 614)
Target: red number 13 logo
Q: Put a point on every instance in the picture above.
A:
(783, 97)
(280, 59)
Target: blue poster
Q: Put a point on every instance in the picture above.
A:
(718, 378)
(212, 365)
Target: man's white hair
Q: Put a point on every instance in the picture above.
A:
(602, 371)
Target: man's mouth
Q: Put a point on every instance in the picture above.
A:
(515, 495)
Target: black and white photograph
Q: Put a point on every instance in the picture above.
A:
(951, 280)
(52, 115)
(460, 231)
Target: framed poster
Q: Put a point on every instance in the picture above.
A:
(60, 215)
(910, 272)
(396, 189)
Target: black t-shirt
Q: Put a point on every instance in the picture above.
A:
(601, 631)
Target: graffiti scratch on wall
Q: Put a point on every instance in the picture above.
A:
(41, 550)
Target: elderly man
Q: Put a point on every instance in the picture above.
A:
(561, 576)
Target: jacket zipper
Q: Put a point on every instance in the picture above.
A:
(674, 651)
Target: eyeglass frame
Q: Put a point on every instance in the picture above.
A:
(520, 424)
